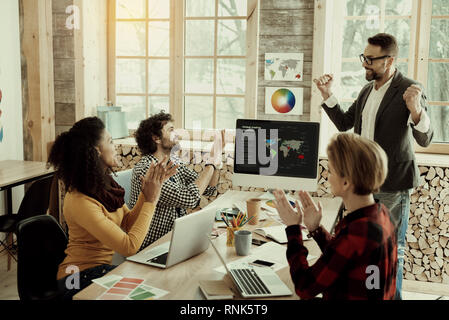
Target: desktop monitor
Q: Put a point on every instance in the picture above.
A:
(276, 154)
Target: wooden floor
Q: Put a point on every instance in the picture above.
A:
(412, 290)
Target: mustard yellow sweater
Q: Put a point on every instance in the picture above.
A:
(95, 233)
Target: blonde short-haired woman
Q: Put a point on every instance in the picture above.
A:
(359, 261)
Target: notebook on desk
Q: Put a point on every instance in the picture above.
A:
(255, 282)
(277, 233)
(189, 238)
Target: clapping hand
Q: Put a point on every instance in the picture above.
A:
(156, 175)
(312, 213)
(288, 215)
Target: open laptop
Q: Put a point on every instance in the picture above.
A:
(189, 238)
(255, 282)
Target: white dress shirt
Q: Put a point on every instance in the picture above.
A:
(372, 107)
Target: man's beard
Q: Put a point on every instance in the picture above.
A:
(170, 146)
(373, 76)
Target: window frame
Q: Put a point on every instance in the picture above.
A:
(177, 59)
(327, 40)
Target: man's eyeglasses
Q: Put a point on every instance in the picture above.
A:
(369, 61)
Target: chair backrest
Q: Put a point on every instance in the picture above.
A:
(123, 178)
(36, 199)
(41, 243)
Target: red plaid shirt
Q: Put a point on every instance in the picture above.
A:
(363, 238)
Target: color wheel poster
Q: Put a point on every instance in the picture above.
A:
(283, 100)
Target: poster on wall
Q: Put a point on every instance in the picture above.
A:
(280, 100)
(1, 125)
(284, 66)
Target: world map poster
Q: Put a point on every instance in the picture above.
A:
(284, 66)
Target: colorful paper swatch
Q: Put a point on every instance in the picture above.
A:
(120, 288)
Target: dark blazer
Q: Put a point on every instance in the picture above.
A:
(391, 131)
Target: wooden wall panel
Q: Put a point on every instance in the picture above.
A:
(37, 78)
(64, 67)
(286, 4)
(65, 114)
(286, 26)
(286, 22)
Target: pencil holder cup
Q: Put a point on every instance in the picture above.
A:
(230, 235)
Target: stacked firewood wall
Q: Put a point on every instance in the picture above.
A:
(427, 251)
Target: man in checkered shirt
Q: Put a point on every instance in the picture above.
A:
(156, 138)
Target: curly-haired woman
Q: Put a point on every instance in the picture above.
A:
(98, 219)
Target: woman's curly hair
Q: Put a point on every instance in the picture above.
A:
(148, 128)
(77, 161)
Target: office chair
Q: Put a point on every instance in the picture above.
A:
(35, 202)
(41, 243)
(123, 178)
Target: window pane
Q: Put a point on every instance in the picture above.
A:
(200, 8)
(403, 68)
(228, 110)
(440, 7)
(352, 79)
(199, 38)
(439, 40)
(134, 108)
(232, 37)
(130, 76)
(362, 8)
(158, 75)
(345, 105)
(159, 9)
(401, 31)
(130, 9)
(439, 118)
(356, 34)
(438, 81)
(159, 38)
(199, 75)
(130, 39)
(231, 76)
(232, 8)
(198, 112)
(159, 103)
(398, 7)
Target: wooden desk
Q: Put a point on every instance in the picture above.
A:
(16, 172)
(182, 279)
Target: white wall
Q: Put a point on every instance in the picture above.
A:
(94, 24)
(11, 148)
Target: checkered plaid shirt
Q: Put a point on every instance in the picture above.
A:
(363, 238)
(177, 194)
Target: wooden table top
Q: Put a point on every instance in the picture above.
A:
(181, 280)
(16, 171)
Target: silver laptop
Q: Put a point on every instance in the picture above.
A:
(255, 282)
(189, 238)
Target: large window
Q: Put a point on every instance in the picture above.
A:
(187, 57)
(421, 28)
(438, 69)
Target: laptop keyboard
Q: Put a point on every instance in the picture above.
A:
(162, 259)
(250, 281)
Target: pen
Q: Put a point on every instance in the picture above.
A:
(247, 221)
(243, 219)
(222, 218)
